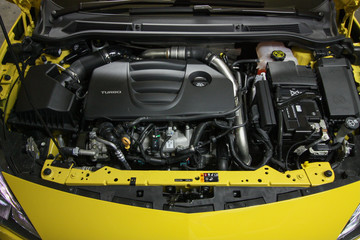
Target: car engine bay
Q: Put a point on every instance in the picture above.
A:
(178, 100)
(181, 106)
(188, 108)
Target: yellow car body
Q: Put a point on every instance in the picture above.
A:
(77, 217)
(56, 214)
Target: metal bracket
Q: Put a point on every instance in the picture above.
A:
(312, 174)
(349, 9)
(25, 7)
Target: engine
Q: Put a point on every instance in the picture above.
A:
(123, 90)
(187, 108)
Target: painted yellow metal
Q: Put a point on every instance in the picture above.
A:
(345, 24)
(27, 3)
(25, 7)
(6, 234)
(312, 174)
(53, 59)
(53, 150)
(60, 215)
(303, 56)
(356, 68)
(356, 72)
(356, 24)
(10, 70)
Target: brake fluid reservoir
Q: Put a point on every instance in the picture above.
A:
(273, 51)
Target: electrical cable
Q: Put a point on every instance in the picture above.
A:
(163, 146)
(6, 105)
(280, 134)
(295, 145)
(241, 61)
(267, 155)
(145, 133)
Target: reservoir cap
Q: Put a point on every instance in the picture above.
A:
(278, 55)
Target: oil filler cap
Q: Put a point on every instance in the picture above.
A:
(278, 55)
(200, 79)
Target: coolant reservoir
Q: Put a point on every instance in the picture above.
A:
(273, 51)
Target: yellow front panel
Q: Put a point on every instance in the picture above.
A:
(312, 174)
(6, 234)
(60, 215)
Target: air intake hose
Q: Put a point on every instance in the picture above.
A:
(201, 54)
(83, 67)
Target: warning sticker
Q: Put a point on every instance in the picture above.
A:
(183, 180)
(170, 144)
(209, 177)
(298, 108)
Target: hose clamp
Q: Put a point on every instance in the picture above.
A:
(106, 56)
(178, 52)
(72, 74)
(210, 58)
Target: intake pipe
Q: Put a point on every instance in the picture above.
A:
(83, 67)
(208, 57)
(201, 54)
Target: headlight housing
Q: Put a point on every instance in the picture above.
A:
(10, 207)
(353, 223)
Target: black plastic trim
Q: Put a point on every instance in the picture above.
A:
(194, 37)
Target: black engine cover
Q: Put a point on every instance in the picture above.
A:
(123, 90)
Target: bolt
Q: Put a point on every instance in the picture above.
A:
(206, 189)
(47, 171)
(76, 47)
(170, 189)
(43, 58)
(236, 194)
(300, 176)
(140, 193)
(328, 173)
